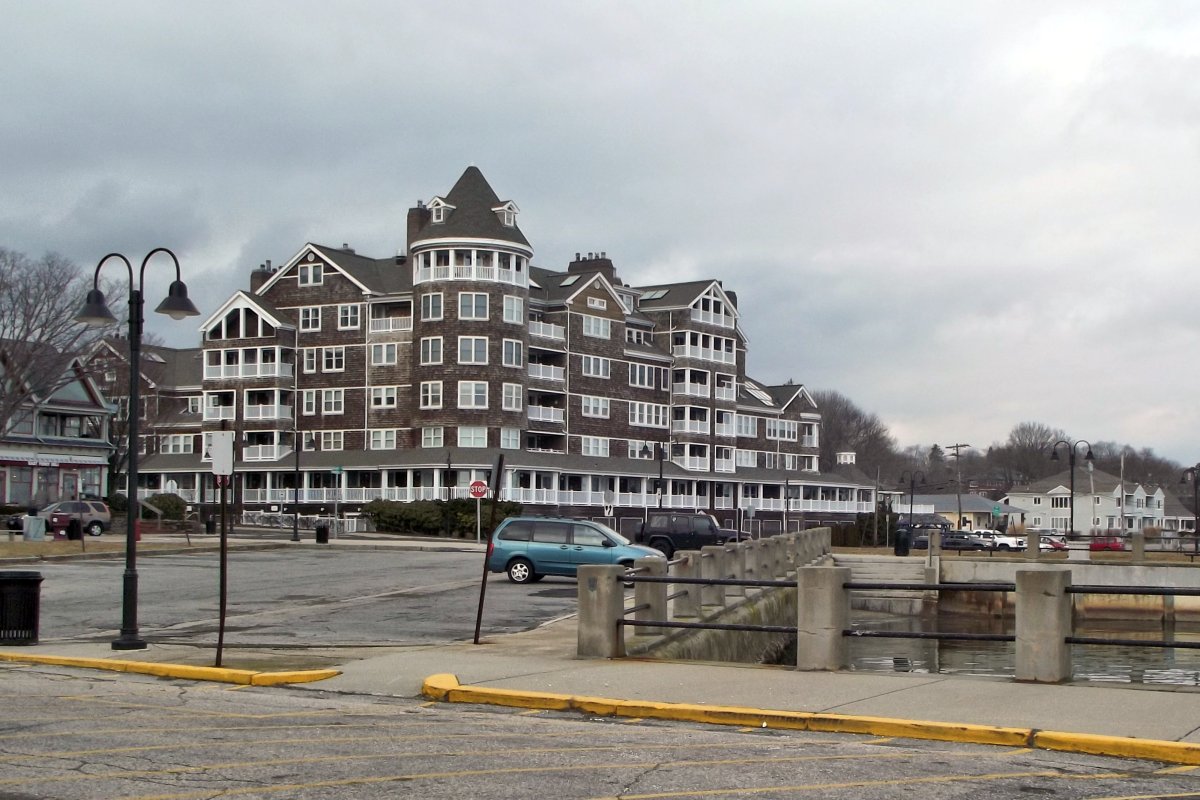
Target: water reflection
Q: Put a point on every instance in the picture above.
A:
(1116, 663)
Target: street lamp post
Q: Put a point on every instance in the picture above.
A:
(660, 454)
(296, 488)
(95, 311)
(1193, 474)
(1072, 448)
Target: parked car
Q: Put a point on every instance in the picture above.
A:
(994, 540)
(669, 531)
(1107, 543)
(958, 540)
(94, 516)
(529, 548)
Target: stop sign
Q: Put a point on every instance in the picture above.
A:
(478, 489)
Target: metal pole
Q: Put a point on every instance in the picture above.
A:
(223, 571)
(1071, 501)
(661, 458)
(296, 488)
(129, 638)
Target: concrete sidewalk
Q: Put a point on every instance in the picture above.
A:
(539, 669)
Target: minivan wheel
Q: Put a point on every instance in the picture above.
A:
(520, 571)
(95, 529)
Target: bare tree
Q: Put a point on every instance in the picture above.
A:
(1025, 456)
(38, 332)
(846, 427)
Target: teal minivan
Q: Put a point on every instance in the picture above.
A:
(529, 548)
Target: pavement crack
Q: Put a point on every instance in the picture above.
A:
(863, 698)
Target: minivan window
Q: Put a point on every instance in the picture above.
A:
(584, 535)
(550, 532)
(516, 532)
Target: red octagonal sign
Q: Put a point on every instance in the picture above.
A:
(478, 489)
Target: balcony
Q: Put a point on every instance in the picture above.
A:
(389, 324)
(267, 370)
(264, 452)
(725, 393)
(723, 465)
(713, 318)
(690, 389)
(213, 413)
(268, 412)
(470, 272)
(546, 414)
(725, 430)
(546, 330)
(693, 463)
(703, 354)
(808, 441)
(690, 426)
(546, 372)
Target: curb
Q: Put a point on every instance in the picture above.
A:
(446, 688)
(244, 677)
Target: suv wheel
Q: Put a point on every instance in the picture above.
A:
(520, 571)
(663, 546)
(95, 528)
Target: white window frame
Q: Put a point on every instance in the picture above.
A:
(383, 439)
(333, 402)
(597, 302)
(473, 394)
(310, 318)
(431, 394)
(308, 400)
(472, 435)
(471, 299)
(594, 406)
(333, 359)
(428, 312)
(349, 317)
(310, 274)
(510, 438)
(428, 344)
(597, 367)
(597, 327)
(473, 357)
(513, 347)
(311, 359)
(594, 446)
(383, 396)
(643, 376)
(513, 397)
(432, 436)
(514, 309)
(383, 355)
(332, 440)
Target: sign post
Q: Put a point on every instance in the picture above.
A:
(478, 490)
(220, 451)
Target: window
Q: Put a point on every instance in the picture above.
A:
(193, 405)
(431, 306)
(472, 394)
(597, 302)
(333, 401)
(746, 458)
(643, 375)
(431, 350)
(747, 425)
(309, 399)
(309, 275)
(310, 318)
(175, 444)
(331, 440)
(472, 305)
(514, 309)
(431, 394)
(439, 214)
(594, 446)
(514, 353)
(348, 317)
(649, 415)
(431, 437)
(472, 349)
(335, 359)
(634, 336)
(383, 439)
(310, 359)
(786, 430)
(597, 327)
(595, 406)
(472, 436)
(383, 397)
(1060, 502)
(513, 396)
(383, 355)
(596, 367)
(510, 438)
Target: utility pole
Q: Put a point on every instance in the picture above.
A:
(957, 481)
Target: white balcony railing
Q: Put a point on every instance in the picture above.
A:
(268, 412)
(547, 330)
(385, 324)
(713, 318)
(725, 393)
(808, 441)
(723, 465)
(264, 452)
(690, 389)
(546, 372)
(268, 370)
(725, 430)
(546, 414)
(219, 412)
(703, 353)
(689, 426)
(472, 273)
(693, 463)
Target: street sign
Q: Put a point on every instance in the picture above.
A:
(220, 451)
(478, 489)
(996, 510)
(336, 470)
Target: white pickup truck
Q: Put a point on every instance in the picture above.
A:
(998, 541)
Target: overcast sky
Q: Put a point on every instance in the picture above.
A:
(960, 215)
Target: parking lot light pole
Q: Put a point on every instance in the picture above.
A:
(95, 312)
(660, 454)
(1193, 474)
(1072, 449)
(912, 476)
(296, 488)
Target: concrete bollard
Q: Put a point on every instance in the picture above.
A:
(1139, 547)
(1043, 623)
(712, 566)
(651, 595)
(601, 606)
(822, 613)
(1033, 546)
(735, 567)
(687, 604)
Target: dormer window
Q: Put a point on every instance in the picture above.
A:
(507, 214)
(439, 210)
(439, 214)
(310, 274)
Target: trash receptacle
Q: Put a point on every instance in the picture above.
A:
(903, 541)
(74, 530)
(20, 596)
(322, 534)
(210, 525)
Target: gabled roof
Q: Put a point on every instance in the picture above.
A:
(471, 214)
(371, 275)
(1085, 480)
(790, 393)
(674, 295)
(243, 299)
(971, 503)
(161, 366)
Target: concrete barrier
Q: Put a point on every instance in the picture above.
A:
(601, 605)
(1043, 624)
(823, 612)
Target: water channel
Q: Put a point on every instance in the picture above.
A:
(1112, 663)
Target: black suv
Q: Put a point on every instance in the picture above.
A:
(668, 531)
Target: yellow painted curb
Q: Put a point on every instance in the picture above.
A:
(244, 677)
(445, 687)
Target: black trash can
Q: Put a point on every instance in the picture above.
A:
(322, 534)
(74, 530)
(20, 599)
(903, 541)
(210, 525)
